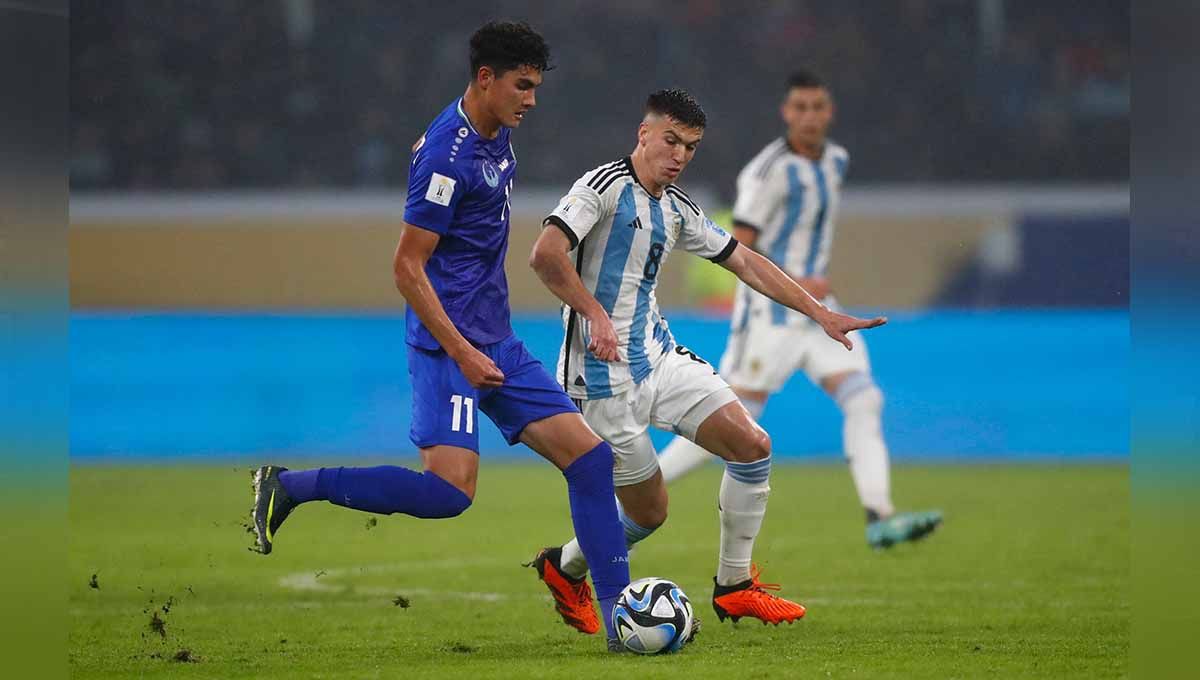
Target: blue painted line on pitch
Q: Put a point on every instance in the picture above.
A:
(960, 386)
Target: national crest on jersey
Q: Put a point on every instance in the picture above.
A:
(792, 201)
(621, 236)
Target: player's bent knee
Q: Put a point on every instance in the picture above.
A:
(441, 499)
(761, 445)
(458, 507)
(654, 517)
(859, 394)
(755, 446)
(447, 508)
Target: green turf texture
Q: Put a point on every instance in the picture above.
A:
(1027, 578)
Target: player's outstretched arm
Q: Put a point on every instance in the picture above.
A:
(408, 266)
(746, 235)
(553, 266)
(762, 275)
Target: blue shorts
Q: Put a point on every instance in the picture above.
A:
(446, 407)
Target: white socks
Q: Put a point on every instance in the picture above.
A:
(862, 436)
(743, 502)
(682, 456)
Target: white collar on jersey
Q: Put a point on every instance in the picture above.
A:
(463, 115)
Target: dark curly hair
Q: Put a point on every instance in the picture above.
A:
(678, 104)
(507, 45)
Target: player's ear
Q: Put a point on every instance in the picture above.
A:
(484, 77)
(643, 130)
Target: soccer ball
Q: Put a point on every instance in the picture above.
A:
(653, 616)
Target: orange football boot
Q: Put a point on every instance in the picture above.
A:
(750, 598)
(572, 597)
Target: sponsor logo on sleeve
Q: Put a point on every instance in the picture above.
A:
(441, 189)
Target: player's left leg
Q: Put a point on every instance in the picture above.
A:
(731, 433)
(846, 378)
(385, 489)
(445, 414)
(682, 456)
(759, 358)
(696, 402)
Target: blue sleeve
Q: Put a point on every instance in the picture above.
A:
(435, 187)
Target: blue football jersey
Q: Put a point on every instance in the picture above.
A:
(458, 186)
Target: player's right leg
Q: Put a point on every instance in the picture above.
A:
(846, 378)
(861, 402)
(531, 408)
(586, 462)
(642, 509)
(444, 428)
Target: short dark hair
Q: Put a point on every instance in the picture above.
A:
(678, 104)
(804, 79)
(508, 45)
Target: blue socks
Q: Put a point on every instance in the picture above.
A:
(385, 489)
(389, 489)
(600, 532)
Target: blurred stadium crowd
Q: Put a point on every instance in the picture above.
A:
(207, 94)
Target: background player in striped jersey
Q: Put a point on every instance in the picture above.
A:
(786, 208)
(621, 362)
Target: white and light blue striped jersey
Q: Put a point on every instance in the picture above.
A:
(792, 201)
(621, 236)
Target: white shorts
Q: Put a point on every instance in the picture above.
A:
(763, 356)
(680, 393)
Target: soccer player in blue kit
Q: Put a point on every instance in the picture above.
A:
(462, 354)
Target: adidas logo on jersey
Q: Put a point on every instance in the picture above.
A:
(636, 223)
(579, 381)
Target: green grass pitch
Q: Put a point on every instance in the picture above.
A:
(1027, 578)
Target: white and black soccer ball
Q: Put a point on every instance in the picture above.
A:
(653, 616)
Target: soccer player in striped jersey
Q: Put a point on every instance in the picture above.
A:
(786, 208)
(462, 354)
(601, 252)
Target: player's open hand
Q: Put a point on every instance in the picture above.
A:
(603, 343)
(480, 370)
(837, 325)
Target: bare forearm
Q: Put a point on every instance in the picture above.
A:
(560, 277)
(413, 283)
(763, 276)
